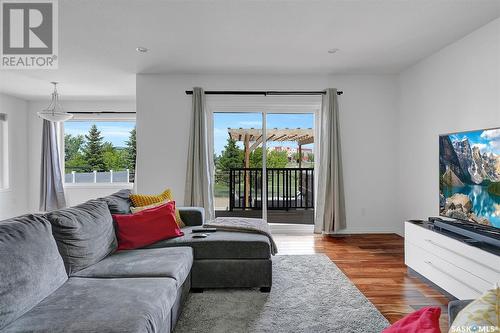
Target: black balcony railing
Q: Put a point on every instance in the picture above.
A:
(287, 188)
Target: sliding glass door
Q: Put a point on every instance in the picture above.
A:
(264, 165)
(238, 154)
(290, 167)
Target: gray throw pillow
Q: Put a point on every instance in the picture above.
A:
(31, 267)
(84, 234)
(119, 202)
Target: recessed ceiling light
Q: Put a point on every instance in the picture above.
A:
(142, 49)
(332, 51)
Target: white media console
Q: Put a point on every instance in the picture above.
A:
(463, 270)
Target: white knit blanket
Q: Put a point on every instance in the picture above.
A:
(242, 224)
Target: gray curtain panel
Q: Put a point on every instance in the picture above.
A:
(199, 185)
(51, 181)
(330, 202)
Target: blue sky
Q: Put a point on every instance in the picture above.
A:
(487, 140)
(115, 132)
(222, 121)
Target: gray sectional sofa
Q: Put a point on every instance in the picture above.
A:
(60, 272)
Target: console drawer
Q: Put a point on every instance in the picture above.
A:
(457, 281)
(467, 258)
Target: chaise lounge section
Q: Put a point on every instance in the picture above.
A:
(226, 259)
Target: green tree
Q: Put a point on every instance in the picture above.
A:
(274, 159)
(310, 157)
(256, 158)
(94, 150)
(131, 150)
(115, 159)
(108, 147)
(76, 163)
(231, 157)
(72, 146)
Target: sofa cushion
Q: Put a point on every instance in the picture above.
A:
(103, 305)
(172, 262)
(119, 202)
(84, 234)
(30, 265)
(139, 200)
(146, 227)
(134, 210)
(482, 312)
(222, 245)
(425, 320)
(192, 216)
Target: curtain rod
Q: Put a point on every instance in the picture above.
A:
(103, 112)
(264, 93)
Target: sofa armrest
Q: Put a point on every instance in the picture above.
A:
(454, 307)
(192, 216)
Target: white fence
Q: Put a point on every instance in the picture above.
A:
(122, 176)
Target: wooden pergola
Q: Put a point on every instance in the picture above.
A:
(302, 136)
(252, 138)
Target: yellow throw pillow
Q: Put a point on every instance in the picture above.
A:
(141, 200)
(482, 313)
(138, 209)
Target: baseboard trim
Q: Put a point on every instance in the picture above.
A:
(284, 228)
(292, 228)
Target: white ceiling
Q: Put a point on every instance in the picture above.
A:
(97, 39)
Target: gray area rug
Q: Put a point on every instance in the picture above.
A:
(309, 294)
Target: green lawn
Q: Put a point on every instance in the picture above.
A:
(221, 190)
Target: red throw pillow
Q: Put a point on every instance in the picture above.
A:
(425, 320)
(146, 227)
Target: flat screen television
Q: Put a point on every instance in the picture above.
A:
(469, 178)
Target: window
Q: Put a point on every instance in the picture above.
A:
(99, 151)
(4, 152)
(264, 157)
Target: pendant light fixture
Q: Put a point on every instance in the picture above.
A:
(54, 112)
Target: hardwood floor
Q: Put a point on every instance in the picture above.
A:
(375, 264)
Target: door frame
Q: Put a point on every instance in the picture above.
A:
(263, 105)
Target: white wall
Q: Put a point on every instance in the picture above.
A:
(368, 121)
(14, 200)
(77, 194)
(456, 89)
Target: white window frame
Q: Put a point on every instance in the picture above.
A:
(97, 116)
(4, 153)
(264, 105)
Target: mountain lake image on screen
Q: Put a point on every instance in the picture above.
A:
(469, 176)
